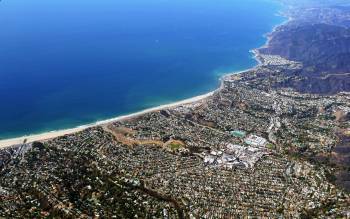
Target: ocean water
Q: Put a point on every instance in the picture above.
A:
(66, 63)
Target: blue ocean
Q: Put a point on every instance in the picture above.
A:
(65, 63)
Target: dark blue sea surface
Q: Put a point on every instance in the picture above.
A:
(65, 63)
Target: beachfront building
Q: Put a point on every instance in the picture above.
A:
(256, 141)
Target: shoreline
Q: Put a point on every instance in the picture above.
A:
(58, 133)
(54, 134)
(4, 143)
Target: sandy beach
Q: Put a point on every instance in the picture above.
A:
(54, 134)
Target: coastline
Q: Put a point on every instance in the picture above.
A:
(54, 134)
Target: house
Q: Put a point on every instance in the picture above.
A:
(216, 153)
(209, 159)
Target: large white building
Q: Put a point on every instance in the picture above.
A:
(234, 156)
(256, 141)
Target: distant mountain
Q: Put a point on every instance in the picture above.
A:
(319, 38)
(321, 48)
(335, 15)
(308, 3)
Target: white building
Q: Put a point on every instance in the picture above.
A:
(256, 141)
(209, 159)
